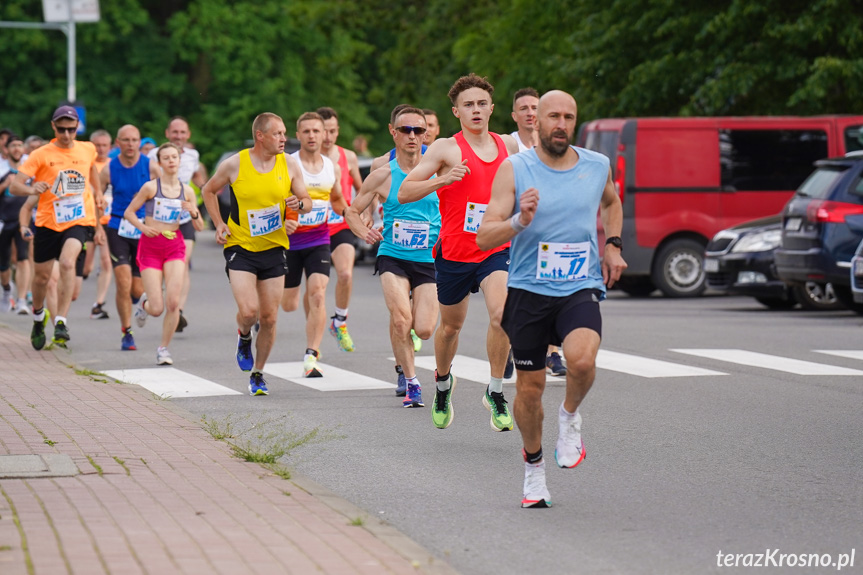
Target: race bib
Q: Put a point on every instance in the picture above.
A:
(411, 235)
(264, 221)
(335, 218)
(167, 210)
(127, 230)
(318, 215)
(473, 216)
(185, 217)
(562, 262)
(69, 209)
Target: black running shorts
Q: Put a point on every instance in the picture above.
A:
(417, 273)
(265, 265)
(124, 251)
(47, 243)
(312, 260)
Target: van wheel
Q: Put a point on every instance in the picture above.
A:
(636, 286)
(678, 269)
(814, 296)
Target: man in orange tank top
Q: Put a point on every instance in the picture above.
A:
(465, 166)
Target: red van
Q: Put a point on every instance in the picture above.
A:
(681, 180)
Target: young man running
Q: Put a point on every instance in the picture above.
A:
(101, 139)
(264, 184)
(67, 183)
(433, 126)
(10, 234)
(310, 243)
(465, 166)
(405, 261)
(342, 248)
(545, 200)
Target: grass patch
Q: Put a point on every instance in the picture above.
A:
(94, 375)
(357, 522)
(122, 464)
(280, 471)
(5, 548)
(95, 465)
(50, 442)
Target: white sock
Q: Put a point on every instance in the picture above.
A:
(413, 380)
(529, 466)
(495, 385)
(340, 313)
(39, 316)
(443, 385)
(564, 414)
(59, 318)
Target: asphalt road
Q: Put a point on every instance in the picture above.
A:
(679, 469)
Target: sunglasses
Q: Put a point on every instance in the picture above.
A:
(71, 130)
(408, 129)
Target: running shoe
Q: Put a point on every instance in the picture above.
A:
(257, 384)
(310, 367)
(554, 365)
(536, 495)
(245, 359)
(418, 343)
(569, 451)
(163, 357)
(140, 312)
(442, 411)
(61, 334)
(181, 323)
(501, 418)
(343, 338)
(37, 334)
(128, 342)
(22, 308)
(7, 302)
(402, 385)
(97, 312)
(510, 366)
(414, 396)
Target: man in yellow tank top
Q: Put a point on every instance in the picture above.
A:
(263, 182)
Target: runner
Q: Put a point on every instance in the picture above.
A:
(310, 242)
(385, 159)
(405, 260)
(465, 166)
(342, 248)
(556, 278)
(66, 181)
(433, 126)
(101, 139)
(262, 180)
(161, 249)
(126, 174)
(191, 173)
(10, 206)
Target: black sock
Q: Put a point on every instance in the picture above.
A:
(399, 370)
(340, 317)
(441, 377)
(310, 351)
(8, 287)
(533, 458)
(245, 336)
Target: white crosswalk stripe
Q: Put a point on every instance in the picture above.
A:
(766, 361)
(464, 367)
(849, 353)
(334, 379)
(169, 382)
(647, 367)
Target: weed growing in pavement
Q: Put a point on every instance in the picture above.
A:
(5, 548)
(280, 470)
(95, 465)
(286, 493)
(219, 429)
(357, 522)
(93, 375)
(49, 442)
(122, 464)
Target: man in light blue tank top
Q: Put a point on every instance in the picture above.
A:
(545, 200)
(405, 261)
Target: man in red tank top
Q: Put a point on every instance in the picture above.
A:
(465, 166)
(341, 237)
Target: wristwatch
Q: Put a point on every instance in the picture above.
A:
(615, 241)
(300, 208)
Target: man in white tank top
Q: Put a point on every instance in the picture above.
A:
(524, 106)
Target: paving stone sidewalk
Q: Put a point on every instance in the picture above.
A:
(152, 492)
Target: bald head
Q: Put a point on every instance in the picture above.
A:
(558, 99)
(129, 140)
(556, 122)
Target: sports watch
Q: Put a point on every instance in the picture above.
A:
(615, 241)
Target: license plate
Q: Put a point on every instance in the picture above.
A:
(711, 266)
(793, 224)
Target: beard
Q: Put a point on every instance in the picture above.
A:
(556, 149)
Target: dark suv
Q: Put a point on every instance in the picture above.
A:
(817, 242)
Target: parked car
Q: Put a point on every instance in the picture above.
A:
(822, 225)
(739, 261)
(681, 180)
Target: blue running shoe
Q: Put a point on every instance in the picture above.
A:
(257, 385)
(401, 386)
(245, 359)
(128, 343)
(414, 396)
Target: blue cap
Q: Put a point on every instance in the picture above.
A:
(147, 141)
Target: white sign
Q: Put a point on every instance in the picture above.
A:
(71, 10)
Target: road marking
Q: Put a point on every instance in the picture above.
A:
(464, 367)
(775, 362)
(171, 383)
(646, 367)
(334, 379)
(849, 353)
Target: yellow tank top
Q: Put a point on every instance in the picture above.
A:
(257, 220)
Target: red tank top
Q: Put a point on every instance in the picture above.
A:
(462, 202)
(347, 185)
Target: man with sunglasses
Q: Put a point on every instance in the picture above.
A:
(405, 261)
(465, 166)
(65, 178)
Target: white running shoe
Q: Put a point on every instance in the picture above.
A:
(536, 494)
(21, 308)
(163, 357)
(140, 312)
(7, 302)
(569, 451)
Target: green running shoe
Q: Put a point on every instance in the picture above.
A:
(343, 338)
(501, 418)
(442, 411)
(37, 334)
(418, 343)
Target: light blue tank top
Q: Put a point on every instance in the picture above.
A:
(557, 254)
(410, 230)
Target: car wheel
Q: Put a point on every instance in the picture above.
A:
(636, 286)
(678, 269)
(846, 298)
(815, 296)
(776, 302)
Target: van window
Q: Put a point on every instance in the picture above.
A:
(819, 184)
(853, 138)
(769, 159)
(604, 143)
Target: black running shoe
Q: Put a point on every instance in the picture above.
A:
(181, 324)
(61, 334)
(37, 334)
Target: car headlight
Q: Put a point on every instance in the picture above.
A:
(759, 242)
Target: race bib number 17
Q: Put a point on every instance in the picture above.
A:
(562, 262)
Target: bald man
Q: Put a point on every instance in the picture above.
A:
(544, 201)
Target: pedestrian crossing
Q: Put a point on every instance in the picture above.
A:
(171, 382)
